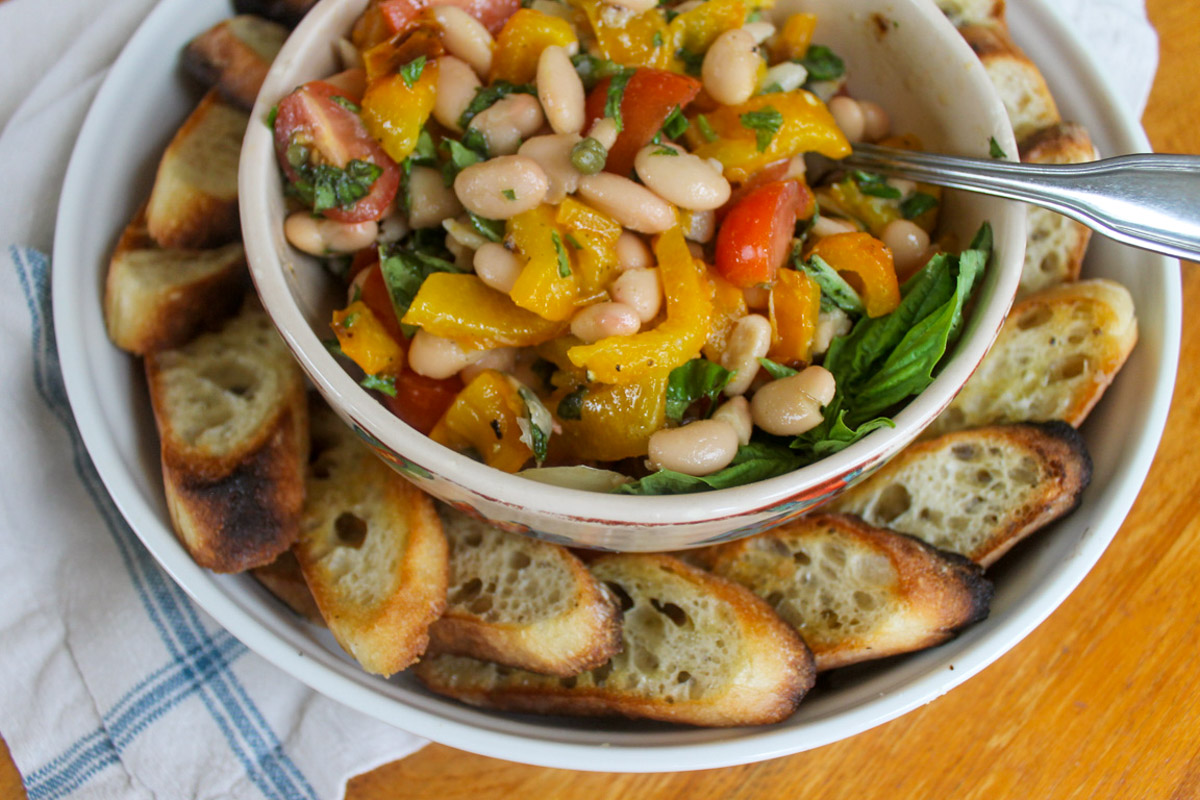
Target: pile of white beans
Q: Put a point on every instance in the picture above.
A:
(530, 140)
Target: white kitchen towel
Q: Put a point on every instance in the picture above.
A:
(115, 683)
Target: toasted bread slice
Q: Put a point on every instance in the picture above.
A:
(1055, 245)
(234, 56)
(283, 578)
(976, 492)
(522, 603)
(975, 12)
(285, 12)
(853, 591)
(371, 550)
(233, 423)
(1020, 84)
(194, 200)
(156, 298)
(696, 649)
(1056, 354)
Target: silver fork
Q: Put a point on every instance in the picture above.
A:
(1151, 201)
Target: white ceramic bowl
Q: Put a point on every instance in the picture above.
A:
(142, 101)
(902, 53)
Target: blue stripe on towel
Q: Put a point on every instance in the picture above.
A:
(201, 661)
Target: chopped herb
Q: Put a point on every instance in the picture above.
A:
(588, 156)
(994, 148)
(325, 186)
(490, 229)
(675, 124)
(571, 406)
(917, 204)
(475, 140)
(616, 94)
(564, 266)
(875, 185)
(692, 62)
(696, 380)
(756, 461)
(776, 370)
(833, 285)
(460, 158)
(346, 103)
(510, 194)
(665, 151)
(772, 88)
(657, 41)
(406, 268)
(822, 63)
(754, 16)
(411, 72)
(571, 240)
(592, 70)
(349, 320)
(380, 383)
(425, 153)
(706, 130)
(333, 346)
(536, 425)
(765, 122)
(485, 96)
(271, 116)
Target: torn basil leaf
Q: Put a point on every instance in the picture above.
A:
(693, 381)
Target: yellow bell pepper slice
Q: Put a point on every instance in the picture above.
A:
(365, 340)
(793, 41)
(729, 305)
(548, 284)
(462, 307)
(805, 125)
(395, 112)
(867, 264)
(596, 235)
(623, 359)
(639, 40)
(484, 418)
(695, 30)
(616, 420)
(794, 306)
(521, 42)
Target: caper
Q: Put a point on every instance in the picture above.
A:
(588, 156)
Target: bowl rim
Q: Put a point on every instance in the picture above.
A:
(267, 269)
(73, 285)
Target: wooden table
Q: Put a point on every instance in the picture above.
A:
(1103, 700)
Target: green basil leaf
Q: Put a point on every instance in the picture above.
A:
(404, 270)
(697, 379)
(765, 122)
(875, 185)
(324, 186)
(833, 434)
(917, 204)
(776, 370)
(754, 462)
(347, 104)
(822, 63)
(536, 425)
(490, 229)
(705, 128)
(459, 158)
(692, 62)
(380, 383)
(994, 148)
(411, 72)
(675, 124)
(616, 95)
(833, 285)
(564, 264)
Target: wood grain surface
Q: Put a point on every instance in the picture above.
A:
(1101, 701)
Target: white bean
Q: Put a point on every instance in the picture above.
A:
(736, 411)
(784, 77)
(848, 115)
(749, 341)
(456, 87)
(830, 323)
(641, 290)
(463, 255)
(437, 357)
(321, 237)
(553, 155)
(465, 37)
(876, 122)
(790, 406)
(502, 187)
(501, 359)
(599, 321)
(761, 31)
(429, 199)
(796, 168)
(507, 121)
(696, 249)
(828, 226)
(633, 252)
(560, 90)
(701, 448)
(699, 226)
(730, 68)
(909, 244)
(497, 266)
(604, 131)
(681, 178)
(629, 203)
(394, 226)
(351, 81)
(347, 54)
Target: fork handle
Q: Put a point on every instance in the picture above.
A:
(1150, 201)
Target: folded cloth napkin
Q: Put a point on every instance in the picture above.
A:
(116, 684)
